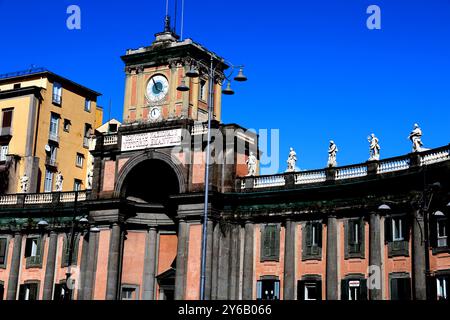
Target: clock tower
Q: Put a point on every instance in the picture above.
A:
(153, 74)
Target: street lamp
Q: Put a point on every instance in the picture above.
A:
(194, 73)
(384, 207)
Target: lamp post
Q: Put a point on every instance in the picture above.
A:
(194, 73)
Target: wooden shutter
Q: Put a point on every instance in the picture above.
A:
(319, 234)
(433, 232)
(33, 291)
(7, 119)
(388, 229)
(3, 244)
(259, 290)
(351, 232)
(394, 289)
(406, 225)
(319, 289)
(344, 289)
(301, 290)
(28, 246)
(363, 289)
(276, 291)
(276, 242)
(22, 290)
(308, 234)
(431, 288)
(406, 286)
(2, 291)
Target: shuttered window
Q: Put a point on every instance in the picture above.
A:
(397, 229)
(66, 250)
(28, 291)
(270, 242)
(400, 289)
(3, 244)
(312, 240)
(33, 252)
(309, 290)
(7, 118)
(355, 233)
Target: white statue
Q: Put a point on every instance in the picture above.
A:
(332, 151)
(89, 179)
(374, 147)
(24, 183)
(416, 138)
(251, 164)
(59, 182)
(291, 161)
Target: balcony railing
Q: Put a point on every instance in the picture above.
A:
(348, 172)
(57, 99)
(49, 161)
(13, 200)
(6, 131)
(109, 140)
(53, 137)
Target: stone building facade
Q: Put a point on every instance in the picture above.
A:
(376, 230)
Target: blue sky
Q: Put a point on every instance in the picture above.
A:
(315, 71)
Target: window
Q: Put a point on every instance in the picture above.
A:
(33, 248)
(67, 124)
(397, 235)
(54, 127)
(400, 288)
(354, 289)
(28, 291)
(128, 293)
(62, 293)
(270, 242)
(77, 185)
(312, 240)
(355, 232)
(87, 105)
(6, 122)
(66, 250)
(3, 152)
(87, 134)
(2, 290)
(17, 86)
(202, 92)
(48, 183)
(443, 287)
(79, 160)
(3, 251)
(268, 289)
(309, 290)
(442, 235)
(112, 127)
(57, 93)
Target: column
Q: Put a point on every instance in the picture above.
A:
(215, 261)
(13, 279)
(83, 266)
(375, 256)
(49, 279)
(418, 255)
(112, 282)
(91, 266)
(150, 265)
(332, 262)
(209, 253)
(247, 281)
(223, 284)
(180, 275)
(234, 262)
(289, 261)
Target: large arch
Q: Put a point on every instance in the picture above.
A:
(139, 159)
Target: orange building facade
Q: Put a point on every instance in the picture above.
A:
(374, 230)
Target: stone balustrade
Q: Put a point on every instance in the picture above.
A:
(41, 198)
(401, 163)
(199, 129)
(109, 140)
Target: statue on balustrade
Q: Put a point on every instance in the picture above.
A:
(332, 152)
(251, 164)
(292, 160)
(416, 138)
(59, 182)
(89, 179)
(24, 183)
(374, 148)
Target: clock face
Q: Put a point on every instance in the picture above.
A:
(155, 113)
(157, 88)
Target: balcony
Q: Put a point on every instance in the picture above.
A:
(57, 99)
(53, 137)
(50, 162)
(36, 199)
(5, 132)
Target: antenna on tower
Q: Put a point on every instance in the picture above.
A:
(175, 17)
(182, 19)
